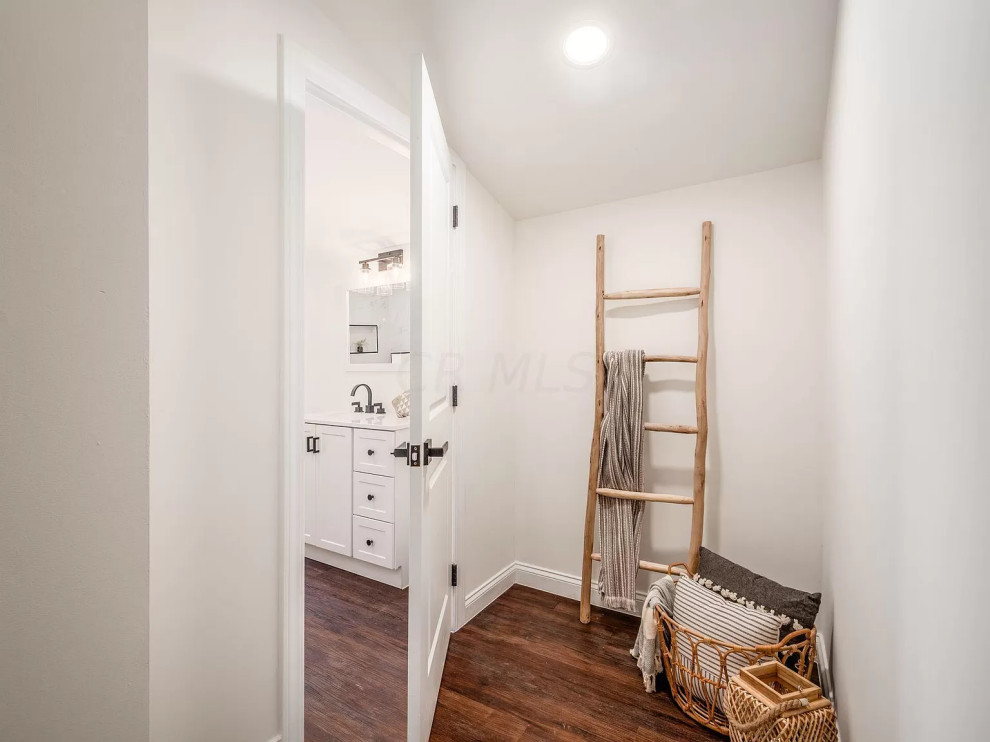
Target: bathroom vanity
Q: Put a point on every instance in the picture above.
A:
(357, 494)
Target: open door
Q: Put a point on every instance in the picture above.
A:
(430, 505)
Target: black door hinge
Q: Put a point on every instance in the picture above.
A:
(453, 575)
(453, 396)
(456, 220)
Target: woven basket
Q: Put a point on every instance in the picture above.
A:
(760, 710)
(702, 697)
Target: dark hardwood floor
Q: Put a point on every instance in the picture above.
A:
(356, 635)
(524, 669)
(527, 669)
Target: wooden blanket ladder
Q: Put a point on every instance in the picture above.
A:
(697, 500)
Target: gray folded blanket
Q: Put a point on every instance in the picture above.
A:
(646, 650)
(620, 521)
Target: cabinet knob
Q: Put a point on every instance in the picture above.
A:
(369, 542)
(371, 452)
(371, 497)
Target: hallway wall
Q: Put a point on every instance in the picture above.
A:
(485, 329)
(215, 199)
(215, 364)
(908, 183)
(73, 371)
(766, 397)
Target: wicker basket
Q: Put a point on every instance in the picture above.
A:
(770, 703)
(703, 697)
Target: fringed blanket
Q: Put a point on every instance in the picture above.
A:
(620, 521)
(646, 650)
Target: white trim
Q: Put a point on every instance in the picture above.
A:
(292, 101)
(539, 578)
(301, 73)
(825, 676)
(458, 614)
(565, 585)
(488, 592)
(276, 738)
(391, 577)
(824, 669)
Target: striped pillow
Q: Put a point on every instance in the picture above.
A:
(701, 610)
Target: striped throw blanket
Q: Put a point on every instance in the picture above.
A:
(620, 521)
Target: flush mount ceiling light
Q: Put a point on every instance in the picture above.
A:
(586, 46)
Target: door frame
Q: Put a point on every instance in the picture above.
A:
(299, 74)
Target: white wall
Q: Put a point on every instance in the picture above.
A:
(73, 371)
(765, 456)
(908, 183)
(329, 373)
(483, 417)
(215, 357)
(357, 205)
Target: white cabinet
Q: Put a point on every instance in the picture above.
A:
(374, 541)
(328, 487)
(357, 498)
(374, 497)
(373, 452)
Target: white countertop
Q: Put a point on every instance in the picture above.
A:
(360, 420)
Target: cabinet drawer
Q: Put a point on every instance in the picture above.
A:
(374, 497)
(374, 541)
(373, 452)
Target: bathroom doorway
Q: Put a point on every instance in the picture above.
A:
(356, 350)
(369, 598)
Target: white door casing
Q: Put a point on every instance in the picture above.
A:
(430, 537)
(302, 73)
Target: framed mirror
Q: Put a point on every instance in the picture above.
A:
(378, 320)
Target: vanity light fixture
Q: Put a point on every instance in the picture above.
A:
(386, 261)
(391, 270)
(586, 46)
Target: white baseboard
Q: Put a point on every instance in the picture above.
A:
(393, 577)
(489, 591)
(563, 584)
(539, 578)
(276, 738)
(824, 670)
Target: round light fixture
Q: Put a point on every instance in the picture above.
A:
(586, 46)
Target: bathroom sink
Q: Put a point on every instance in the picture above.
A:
(359, 419)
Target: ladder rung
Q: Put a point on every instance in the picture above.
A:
(671, 359)
(653, 293)
(646, 496)
(648, 566)
(657, 428)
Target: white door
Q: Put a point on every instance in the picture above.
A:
(310, 484)
(332, 523)
(430, 538)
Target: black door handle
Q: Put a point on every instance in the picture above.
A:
(309, 444)
(429, 452)
(369, 542)
(371, 497)
(407, 452)
(371, 452)
(316, 444)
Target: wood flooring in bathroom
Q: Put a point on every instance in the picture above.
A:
(524, 669)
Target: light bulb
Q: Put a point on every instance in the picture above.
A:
(586, 46)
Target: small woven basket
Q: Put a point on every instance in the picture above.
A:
(770, 703)
(702, 696)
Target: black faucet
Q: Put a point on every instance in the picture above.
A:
(370, 407)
